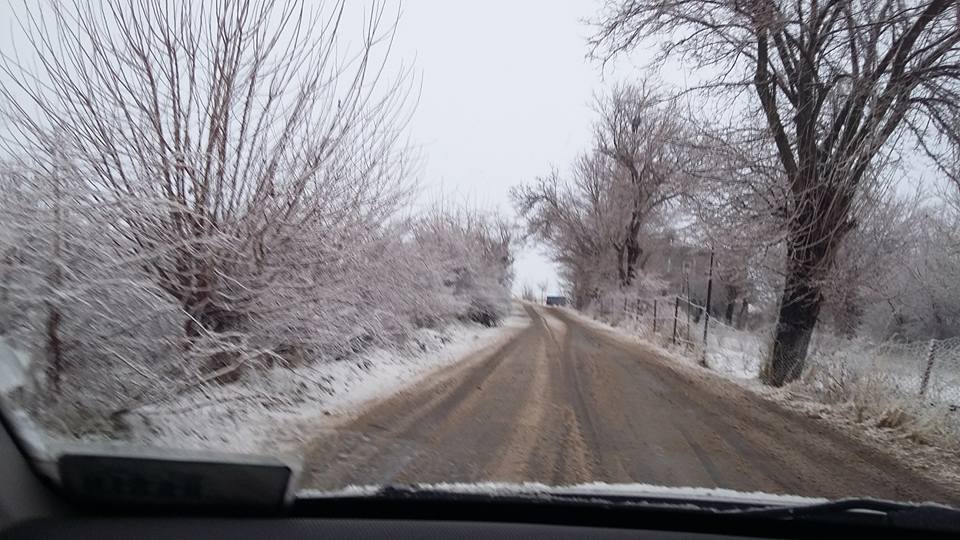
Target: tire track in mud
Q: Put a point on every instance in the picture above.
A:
(561, 453)
(438, 430)
(513, 462)
(369, 448)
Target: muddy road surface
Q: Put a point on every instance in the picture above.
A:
(564, 402)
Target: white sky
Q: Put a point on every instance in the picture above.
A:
(507, 93)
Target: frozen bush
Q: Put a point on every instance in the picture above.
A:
(471, 252)
(162, 236)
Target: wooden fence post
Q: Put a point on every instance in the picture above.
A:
(676, 310)
(654, 315)
(925, 380)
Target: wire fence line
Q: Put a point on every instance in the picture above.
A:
(926, 371)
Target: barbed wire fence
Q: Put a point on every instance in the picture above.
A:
(926, 372)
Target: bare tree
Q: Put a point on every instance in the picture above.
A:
(195, 191)
(596, 222)
(527, 293)
(879, 247)
(912, 293)
(839, 86)
(240, 121)
(473, 251)
(641, 137)
(200, 186)
(567, 222)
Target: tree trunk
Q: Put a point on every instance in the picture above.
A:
(728, 312)
(732, 294)
(634, 251)
(849, 314)
(628, 255)
(742, 315)
(621, 266)
(54, 349)
(797, 317)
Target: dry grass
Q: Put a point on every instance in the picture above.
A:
(878, 399)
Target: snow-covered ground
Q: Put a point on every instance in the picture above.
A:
(273, 411)
(836, 366)
(13, 367)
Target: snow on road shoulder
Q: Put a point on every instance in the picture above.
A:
(624, 335)
(277, 410)
(14, 372)
(14, 366)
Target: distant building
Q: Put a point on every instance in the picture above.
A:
(556, 300)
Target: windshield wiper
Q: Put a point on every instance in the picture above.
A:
(926, 516)
(691, 514)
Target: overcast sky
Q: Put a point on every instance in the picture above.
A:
(507, 93)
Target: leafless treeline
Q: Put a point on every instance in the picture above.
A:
(596, 223)
(832, 107)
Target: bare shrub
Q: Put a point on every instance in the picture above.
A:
(196, 190)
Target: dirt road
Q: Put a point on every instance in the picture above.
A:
(563, 402)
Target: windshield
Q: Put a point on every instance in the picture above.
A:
(634, 245)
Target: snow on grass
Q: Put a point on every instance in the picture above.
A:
(13, 367)
(839, 370)
(735, 353)
(14, 372)
(274, 411)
